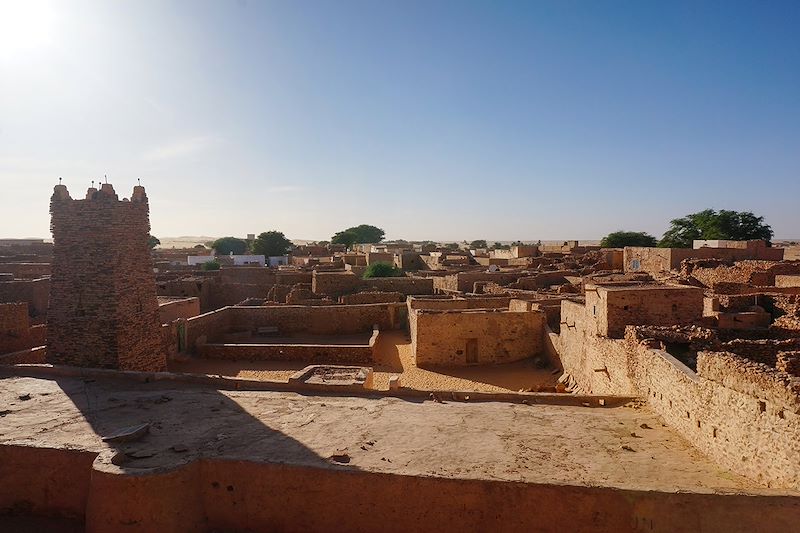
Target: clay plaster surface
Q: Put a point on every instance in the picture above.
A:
(496, 441)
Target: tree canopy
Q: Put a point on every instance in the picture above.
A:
(152, 241)
(358, 234)
(382, 270)
(271, 243)
(621, 239)
(210, 265)
(711, 224)
(226, 245)
(480, 243)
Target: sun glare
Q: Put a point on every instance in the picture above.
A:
(25, 25)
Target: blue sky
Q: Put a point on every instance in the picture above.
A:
(440, 120)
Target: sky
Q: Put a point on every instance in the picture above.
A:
(441, 120)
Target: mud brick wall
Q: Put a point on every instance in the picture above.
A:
(787, 280)
(29, 356)
(171, 309)
(337, 284)
(256, 275)
(592, 364)
(35, 292)
(26, 270)
(318, 320)
(742, 414)
(450, 303)
(465, 281)
(761, 350)
(103, 308)
(321, 320)
(278, 293)
(615, 308)
(372, 298)
(789, 362)
(312, 353)
(15, 330)
(449, 338)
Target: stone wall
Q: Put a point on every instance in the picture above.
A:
(26, 270)
(787, 280)
(742, 414)
(103, 309)
(456, 303)
(592, 364)
(654, 260)
(457, 338)
(335, 284)
(170, 309)
(312, 353)
(35, 292)
(613, 308)
(465, 281)
(290, 319)
(16, 333)
(372, 298)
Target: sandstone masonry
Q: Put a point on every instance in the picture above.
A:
(103, 309)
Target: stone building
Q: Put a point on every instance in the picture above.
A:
(103, 310)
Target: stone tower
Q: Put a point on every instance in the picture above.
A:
(103, 309)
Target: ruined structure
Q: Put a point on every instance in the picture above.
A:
(103, 310)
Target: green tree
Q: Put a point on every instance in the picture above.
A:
(480, 243)
(210, 265)
(358, 234)
(152, 241)
(226, 245)
(382, 270)
(621, 239)
(501, 246)
(711, 224)
(272, 243)
(348, 238)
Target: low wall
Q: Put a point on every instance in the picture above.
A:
(174, 308)
(26, 270)
(312, 353)
(29, 356)
(288, 319)
(227, 495)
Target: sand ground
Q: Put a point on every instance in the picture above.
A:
(393, 356)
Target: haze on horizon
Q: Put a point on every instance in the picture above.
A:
(433, 120)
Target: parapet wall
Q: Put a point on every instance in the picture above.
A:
(224, 495)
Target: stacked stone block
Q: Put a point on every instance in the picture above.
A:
(103, 309)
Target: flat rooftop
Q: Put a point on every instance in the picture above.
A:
(622, 447)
